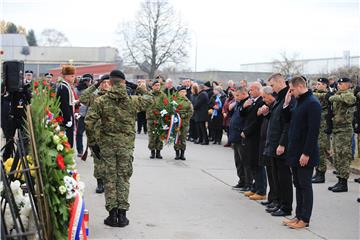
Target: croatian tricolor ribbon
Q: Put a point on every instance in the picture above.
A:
(76, 225)
(179, 123)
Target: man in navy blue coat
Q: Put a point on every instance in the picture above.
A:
(303, 148)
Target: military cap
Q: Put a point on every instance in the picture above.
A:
(50, 75)
(29, 71)
(87, 76)
(118, 74)
(343, 80)
(155, 82)
(323, 80)
(207, 84)
(105, 77)
(180, 88)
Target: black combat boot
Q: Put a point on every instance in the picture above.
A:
(177, 154)
(319, 177)
(100, 186)
(182, 153)
(122, 219)
(334, 186)
(158, 155)
(152, 156)
(111, 220)
(342, 186)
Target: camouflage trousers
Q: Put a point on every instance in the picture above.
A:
(99, 168)
(324, 144)
(118, 170)
(182, 138)
(342, 151)
(155, 142)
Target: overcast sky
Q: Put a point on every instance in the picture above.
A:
(227, 32)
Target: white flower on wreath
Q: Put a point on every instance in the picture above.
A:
(163, 113)
(71, 186)
(174, 103)
(59, 147)
(166, 127)
(62, 189)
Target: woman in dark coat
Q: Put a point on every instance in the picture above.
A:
(216, 106)
(193, 132)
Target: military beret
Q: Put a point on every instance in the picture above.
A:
(207, 84)
(155, 82)
(343, 80)
(87, 76)
(29, 71)
(105, 77)
(180, 88)
(323, 80)
(49, 75)
(118, 74)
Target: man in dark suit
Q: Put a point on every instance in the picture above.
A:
(303, 148)
(275, 147)
(201, 107)
(66, 95)
(251, 138)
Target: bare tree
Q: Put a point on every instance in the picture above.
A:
(53, 37)
(288, 66)
(155, 38)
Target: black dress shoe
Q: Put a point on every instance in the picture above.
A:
(272, 205)
(280, 213)
(245, 189)
(271, 210)
(238, 186)
(204, 143)
(265, 203)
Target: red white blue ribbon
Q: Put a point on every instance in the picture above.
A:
(175, 122)
(179, 123)
(76, 225)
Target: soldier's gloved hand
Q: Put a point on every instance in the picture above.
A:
(96, 150)
(356, 90)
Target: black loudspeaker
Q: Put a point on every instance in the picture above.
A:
(13, 75)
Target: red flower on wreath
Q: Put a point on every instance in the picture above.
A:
(167, 118)
(180, 106)
(156, 122)
(166, 101)
(52, 94)
(174, 98)
(36, 84)
(67, 146)
(59, 119)
(156, 112)
(60, 161)
(44, 82)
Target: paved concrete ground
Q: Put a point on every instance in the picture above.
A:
(193, 199)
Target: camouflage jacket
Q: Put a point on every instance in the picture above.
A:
(116, 112)
(343, 108)
(185, 108)
(321, 95)
(87, 98)
(154, 110)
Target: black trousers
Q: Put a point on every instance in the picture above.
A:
(203, 137)
(259, 175)
(273, 192)
(79, 134)
(70, 135)
(218, 132)
(239, 162)
(193, 133)
(282, 178)
(141, 122)
(304, 193)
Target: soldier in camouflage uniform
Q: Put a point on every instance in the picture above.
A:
(87, 98)
(152, 113)
(322, 93)
(116, 111)
(186, 110)
(343, 106)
